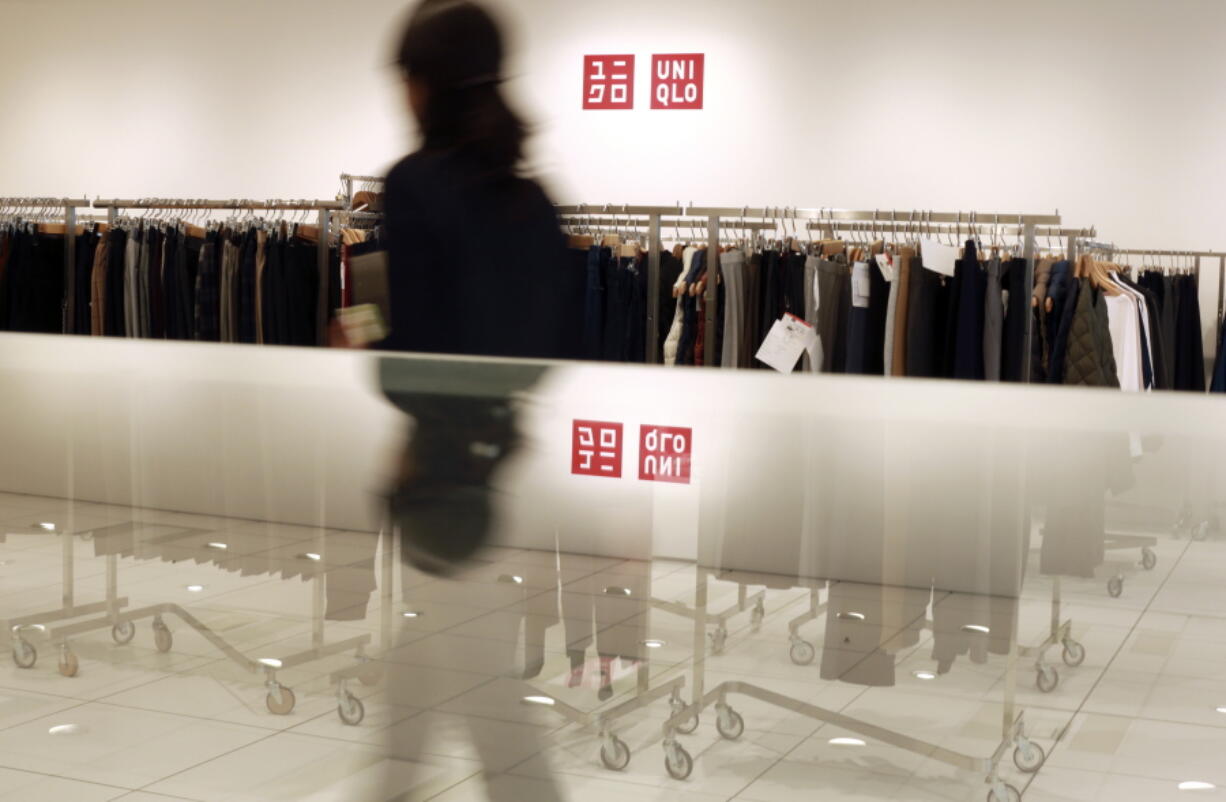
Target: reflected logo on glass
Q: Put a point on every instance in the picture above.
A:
(596, 449)
(664, 454)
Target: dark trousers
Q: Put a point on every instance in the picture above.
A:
(594, 304)
(833, 280)
(927, 324)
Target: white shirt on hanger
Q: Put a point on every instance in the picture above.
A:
(1126, 340)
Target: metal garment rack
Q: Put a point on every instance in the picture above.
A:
(324, 222)
(347, 182)
(1196, 256)
(715, 217)
(70, 206)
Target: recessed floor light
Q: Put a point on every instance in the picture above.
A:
(924, 674)
(976, 628)
(846, 742)
(195, 588)
(852, 616)
(1196, 785)
(411, 614)
(271, 662)
(518, 580)
(654, 644)
(539, 700)
(64, 729)
(50, 527)
(312, 556)
(1222, 709)
(219, 546)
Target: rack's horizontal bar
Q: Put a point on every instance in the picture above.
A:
(1206, 254)
(75, 203)
(368, 178)
(784, 213)
(945, 228)
(171, 203)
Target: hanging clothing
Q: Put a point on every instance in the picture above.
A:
(1090, 360)
(967, 326)
(1189, 342)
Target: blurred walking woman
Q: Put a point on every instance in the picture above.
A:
(475, 257)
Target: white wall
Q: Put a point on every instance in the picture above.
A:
(1109, 110)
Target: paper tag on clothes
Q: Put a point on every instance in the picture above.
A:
(939, 257)
(861, 285)
(788, 339)
(885, 263)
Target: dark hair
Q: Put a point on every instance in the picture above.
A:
(456, 49)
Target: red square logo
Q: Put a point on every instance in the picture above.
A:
(677, 80)
(664, 454)
(608, 82)
(596, 449)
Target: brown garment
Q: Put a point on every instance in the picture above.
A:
(899, 360)
(97, 288)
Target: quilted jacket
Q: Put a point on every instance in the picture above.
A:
(1090, 360)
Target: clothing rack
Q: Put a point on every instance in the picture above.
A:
(788, 217)
(70, 206)
(322, 207)
(1196, 256)
(347, 182)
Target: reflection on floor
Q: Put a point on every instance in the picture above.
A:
(215, 659)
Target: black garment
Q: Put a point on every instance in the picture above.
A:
(207, 309)
(594, 300)
(116, 263)
(793, 283)
(272, 290)
(155, 282)
(1013, 349)
(1189, 345)
(971, 288)
(771, 297)
(1064, 326)
(751, 339)
(82, 274)
(246, 288)
(927, 323)
(36, 283)
(619, 289)
(636, 317)
(302, 280)
(1157, 348)
(457, 285)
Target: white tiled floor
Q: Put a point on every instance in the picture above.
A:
(445, 694)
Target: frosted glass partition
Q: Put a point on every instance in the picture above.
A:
(886, 481)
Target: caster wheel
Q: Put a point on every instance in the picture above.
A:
(123, 632)
(1011, 795)
(1047, 679)
(286, 704)
(68, 664)
(1149, 560)
(730, 724)
(616, 759)
(678, 762)
(351, 710)
(718, 640)
(1074, 653)
(1029, 757)
(688, 726)
(1115, 587)
(24, 654)
(802, 652)
(162, 637)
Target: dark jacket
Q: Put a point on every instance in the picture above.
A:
(476, 266)
(1090, 360)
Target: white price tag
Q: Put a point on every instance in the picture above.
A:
(939, 257)
(861, 285)
(788, 339)
(885, 263)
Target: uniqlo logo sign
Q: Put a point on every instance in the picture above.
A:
(608, 82)
(677, 81)
(664, 454)
(596, 449)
